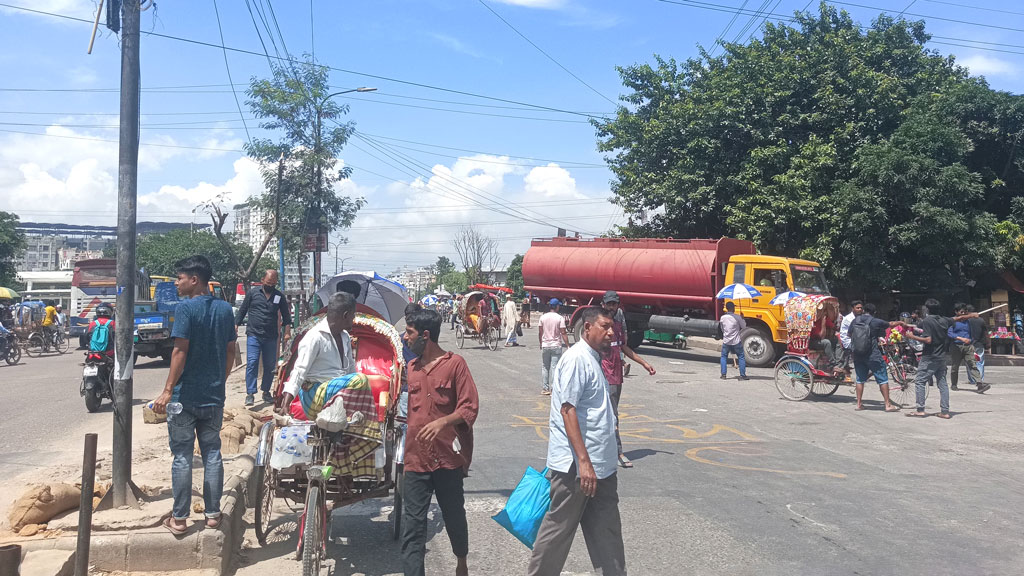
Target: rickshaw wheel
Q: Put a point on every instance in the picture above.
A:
(793, 379)
(34, 346)
(493, 335)
(822, 388)
(266, 478)
(396, 521)
(460, 336)
(312, 532)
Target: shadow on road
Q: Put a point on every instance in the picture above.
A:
(645, 452)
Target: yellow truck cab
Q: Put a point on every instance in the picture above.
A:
(771, 275)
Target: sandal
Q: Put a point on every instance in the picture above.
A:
(213, 522)
(167, 522)
(944, 415)
(916, 414)
(624, 462)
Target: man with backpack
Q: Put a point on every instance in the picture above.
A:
(101, 331)
(864, 332)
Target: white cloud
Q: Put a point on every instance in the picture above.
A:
(179, 200)
(456, 45)
(551, 181)
(982, 65)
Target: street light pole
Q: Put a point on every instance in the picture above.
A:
(317, 255)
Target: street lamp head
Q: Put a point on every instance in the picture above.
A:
(365, 89)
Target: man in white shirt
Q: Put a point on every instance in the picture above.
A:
(325, 352)
(582, 459)
(856, 309)
(510, 319)
(732, 324)
(553, 339)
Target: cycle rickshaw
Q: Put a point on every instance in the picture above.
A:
(803, 372)
(327, 470)
(479, 317)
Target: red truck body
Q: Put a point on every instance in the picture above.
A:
(660, 276)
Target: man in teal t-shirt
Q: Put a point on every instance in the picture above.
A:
(204, 352)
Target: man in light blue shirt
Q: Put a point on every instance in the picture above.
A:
(582, 458)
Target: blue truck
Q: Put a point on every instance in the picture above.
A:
(153, 322)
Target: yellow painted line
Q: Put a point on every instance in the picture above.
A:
(694, 454)
(715, 429)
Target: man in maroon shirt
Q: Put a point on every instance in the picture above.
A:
(443, 405)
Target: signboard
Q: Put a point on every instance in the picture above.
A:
(315, 242)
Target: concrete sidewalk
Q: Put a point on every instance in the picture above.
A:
(133, 539)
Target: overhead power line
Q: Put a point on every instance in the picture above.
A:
(972, 7)
(227, 66)
(290, 60)
(546, 55)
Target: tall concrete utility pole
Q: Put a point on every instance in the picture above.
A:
(127, 192)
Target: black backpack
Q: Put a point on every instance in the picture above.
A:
(860, 335)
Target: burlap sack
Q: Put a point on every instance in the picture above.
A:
(231, 439)
(40, 503)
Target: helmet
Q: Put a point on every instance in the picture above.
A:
(104, 311)
(905, 316)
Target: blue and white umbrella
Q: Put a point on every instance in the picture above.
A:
(737, 292)
(786, 297)
(429, 300)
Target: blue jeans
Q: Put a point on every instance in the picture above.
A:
(182, 430)
(549, 360)
(979, 349)
(736, 349)
(256, 347)
(928, 368)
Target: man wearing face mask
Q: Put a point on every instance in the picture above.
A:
(325, 352)
(443, 406)
(268, 313)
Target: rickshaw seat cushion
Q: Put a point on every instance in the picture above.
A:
(376, 359)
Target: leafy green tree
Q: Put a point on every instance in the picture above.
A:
(514, 276)
(157, 253)
(444, 266)
(12, 246)
(857, 148)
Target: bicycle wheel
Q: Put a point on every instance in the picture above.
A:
(396, 522)
(61, 343)
(312, 532)
(793, 379)
(493, 335)
(35, 345)
(822, 388)
(904, 394)
(460, 336)
(14, 354)
(266, 485)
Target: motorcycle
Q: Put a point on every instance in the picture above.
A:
(10, 351)
(97, 381)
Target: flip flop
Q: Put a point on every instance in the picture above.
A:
(624, 462)
(944, 415)
(858, 409)
(916, 414)
(172, 529)
(213, 522)
(893, 409)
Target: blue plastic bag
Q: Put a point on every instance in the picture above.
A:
(526, 506)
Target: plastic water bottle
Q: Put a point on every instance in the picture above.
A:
(174, 408)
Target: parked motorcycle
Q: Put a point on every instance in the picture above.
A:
(97, 380)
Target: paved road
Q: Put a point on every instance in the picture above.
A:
(732, 479)
(44, 417)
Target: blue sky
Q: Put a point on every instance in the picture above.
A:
(423, 148)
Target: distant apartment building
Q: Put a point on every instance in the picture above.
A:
(415, 280)
(57, 246)
(251, 225)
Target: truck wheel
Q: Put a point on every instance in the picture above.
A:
(634, 340)
(758, 347)
(577, 331)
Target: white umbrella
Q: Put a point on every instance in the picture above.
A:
(386, 297)
(441, 292)
(429, 300)
(786, 297)
(737, 292)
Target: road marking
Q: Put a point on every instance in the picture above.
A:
(694, 454)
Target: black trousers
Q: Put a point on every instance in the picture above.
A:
(417, 488)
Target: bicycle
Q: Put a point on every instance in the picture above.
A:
(39, 343)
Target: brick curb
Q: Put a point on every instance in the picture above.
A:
(155, 549)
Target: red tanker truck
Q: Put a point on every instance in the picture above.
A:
(669, 285)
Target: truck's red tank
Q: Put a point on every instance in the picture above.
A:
(663, 274)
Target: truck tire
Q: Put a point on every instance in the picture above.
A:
(634, 340)
(577, 331)
(758, 347)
